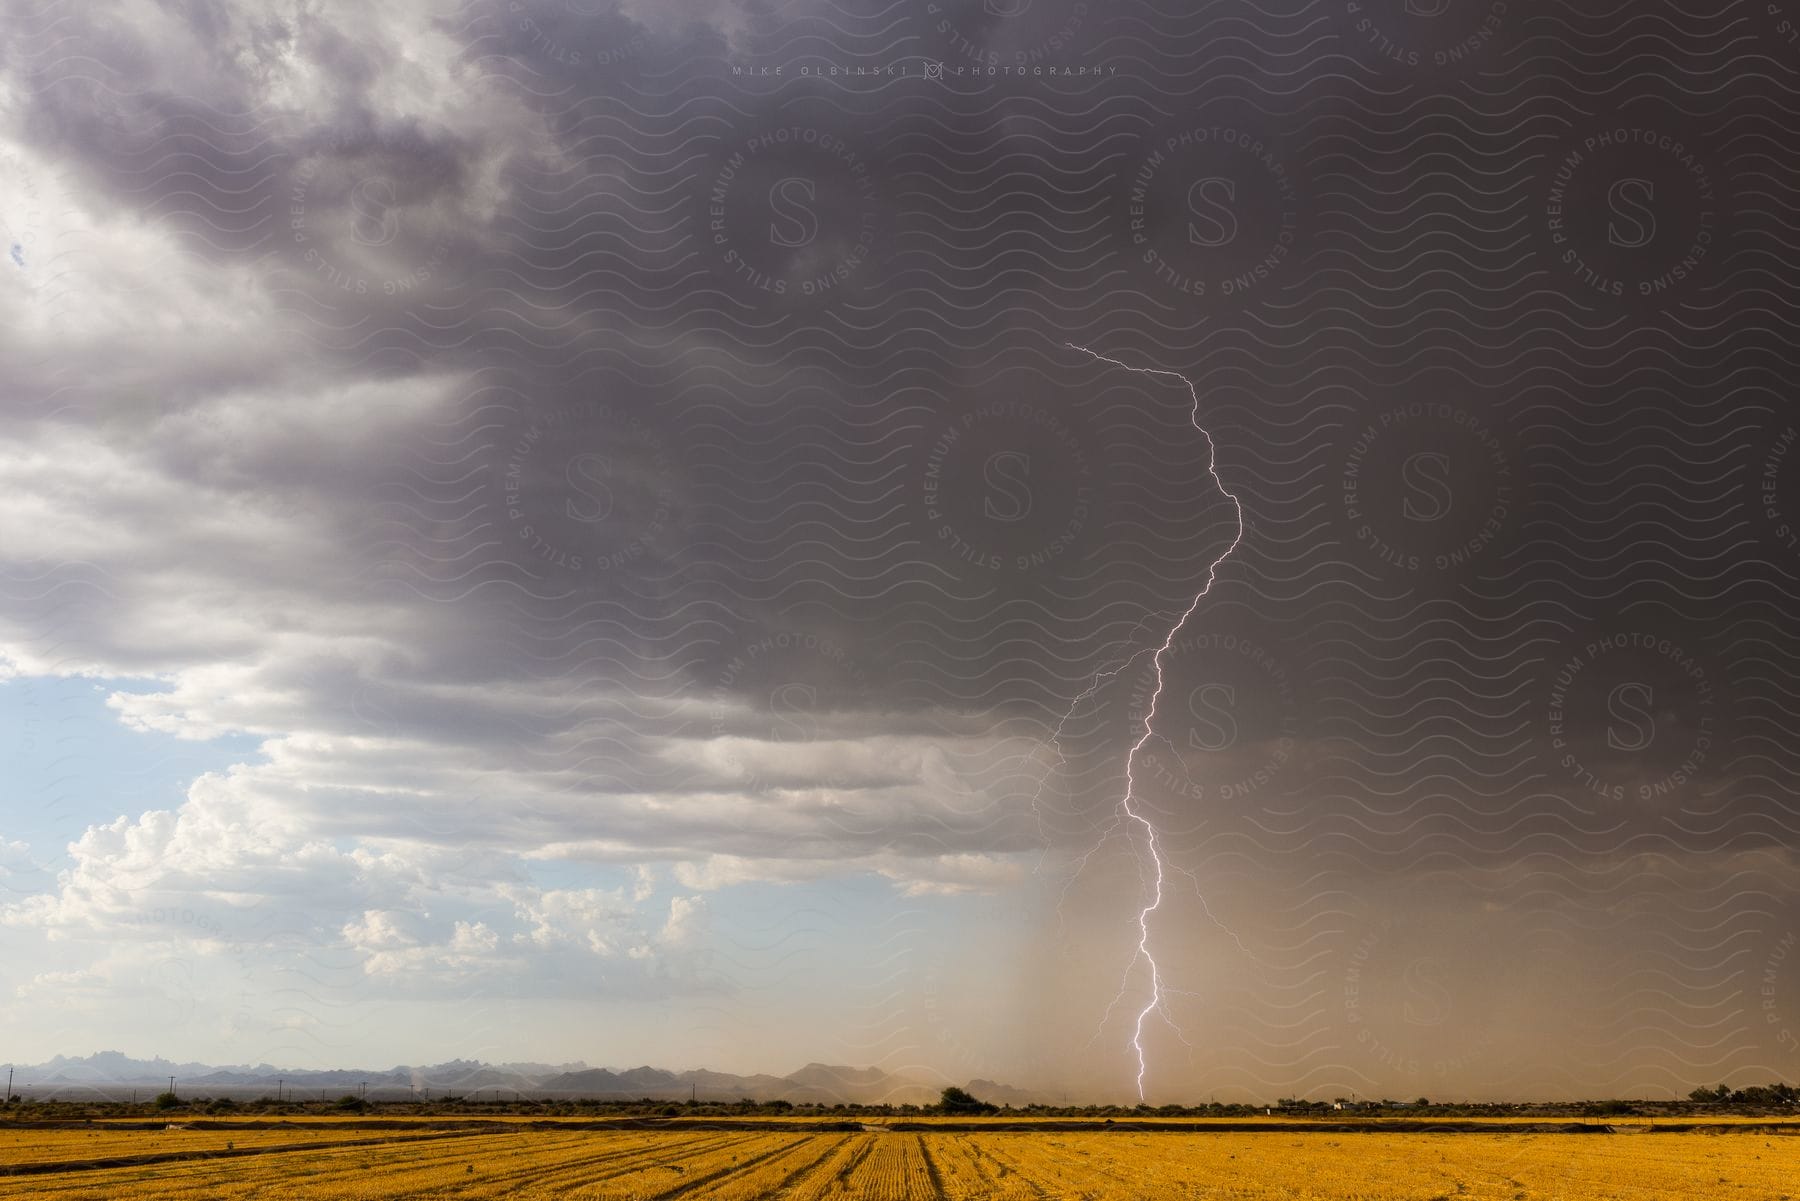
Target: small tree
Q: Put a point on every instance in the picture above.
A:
(166, 1100)
(956, 1100)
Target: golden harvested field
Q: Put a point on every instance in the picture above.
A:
(33, 1146)
(1347, 1116)
(748, 1164)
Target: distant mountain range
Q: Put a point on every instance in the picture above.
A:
(110, 1073)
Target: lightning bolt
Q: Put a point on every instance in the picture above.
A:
(1127, 811)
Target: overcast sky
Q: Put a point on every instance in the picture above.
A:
(627, 531)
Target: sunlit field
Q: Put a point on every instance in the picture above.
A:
(749, 1160)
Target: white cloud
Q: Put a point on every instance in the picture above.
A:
(917, 875)
(391, 943)
(687, 918)
(62, 984)
(951, 874)
(588, 917)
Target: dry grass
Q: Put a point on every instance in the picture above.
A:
(888, 1165)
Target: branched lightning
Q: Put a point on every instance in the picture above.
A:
(1127, 810)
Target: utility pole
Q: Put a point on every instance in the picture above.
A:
(279, 1081)
(9, 1073)
(365, 1090)
(171, 1086)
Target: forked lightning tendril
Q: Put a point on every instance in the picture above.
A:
(1126, 808)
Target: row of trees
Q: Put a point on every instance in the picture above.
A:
(1757, 1094)
(958, 1102)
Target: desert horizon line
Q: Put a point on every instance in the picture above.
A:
(542, 1080)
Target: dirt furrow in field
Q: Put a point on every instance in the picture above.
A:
(147, 1158)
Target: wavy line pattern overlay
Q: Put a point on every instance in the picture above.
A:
(631, 472)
